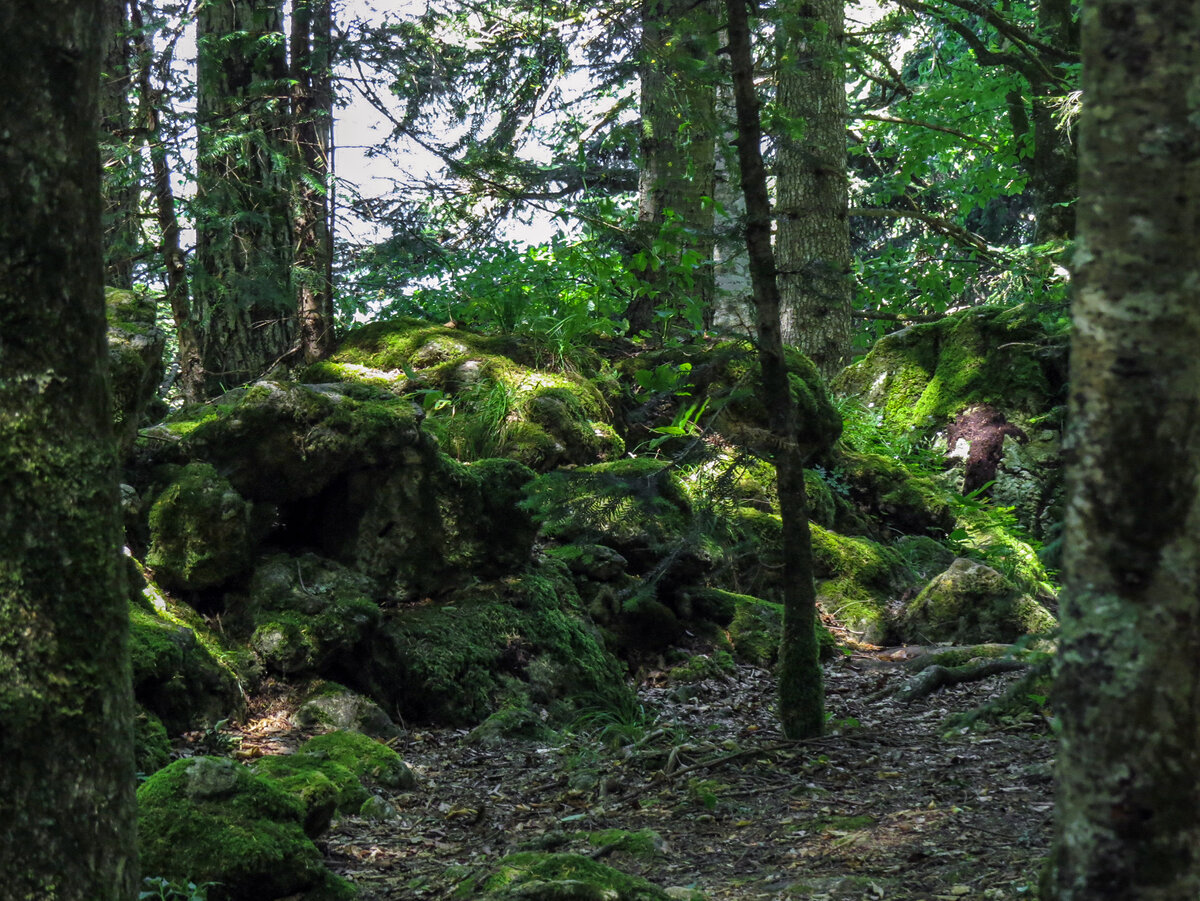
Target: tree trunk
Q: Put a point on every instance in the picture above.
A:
(801, 689)
(814, 232)
(678, 167)
(1128, 682)
(121, 184)
(312, 121)
(191, 369)
(244, 303)
(66, 709)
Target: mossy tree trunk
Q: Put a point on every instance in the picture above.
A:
(66, 747)
(813, 244)
(1128, 681)
(678, 165)
(801, 689)
(243, 299)
(312, 133)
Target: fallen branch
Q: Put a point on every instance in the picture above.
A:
(931, 679)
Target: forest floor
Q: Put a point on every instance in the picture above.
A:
(888, 806)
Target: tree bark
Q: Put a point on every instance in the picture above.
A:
(801, 688)
(813, 244)
(66, 746)
(312, 124)
(1128, 681)
(678, 167)
(243, 299)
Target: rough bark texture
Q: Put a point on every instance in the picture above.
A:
(678, 171)
(244, 303)
(66, 747)
(813, 243)
(801, 688)
(312, 132)
(1128, 688)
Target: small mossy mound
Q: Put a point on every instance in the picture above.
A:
(175, 676)
(509, 724)
(322, 785)
(309, 614)
(334, 706)
(922, 376)
(202, 532)
(522, 640)
(151, 746)
(539, 876)
(889, 497)
(135, 360)
(209, 819)
(971, 603)
(372, 761)
(481, 396)
(644, 843)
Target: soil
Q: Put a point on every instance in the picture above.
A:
(889, 805)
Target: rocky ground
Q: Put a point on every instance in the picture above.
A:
(889, 805)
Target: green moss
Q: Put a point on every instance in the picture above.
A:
(201, 530)
(459, 662)
(703, 666)
(924, 375)
(151, 746)
(644, 843)
(892, 496)
(322, 785)
(365, 757)
(211, 820)
(563, 877)
(511, 723)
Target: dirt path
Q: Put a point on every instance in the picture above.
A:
(886, 808)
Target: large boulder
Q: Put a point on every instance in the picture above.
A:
(210, 820)
(482, 395)
(202, 531)
(971, 603)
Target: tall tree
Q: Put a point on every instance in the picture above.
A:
(813, 244)
(678, 162)
(1128, 684)
(244, 305)
(119, 159)
(312, 133)
(67, 780)
(801, 687)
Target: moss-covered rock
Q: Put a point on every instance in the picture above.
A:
(308, 614)
(891, 497)
(151, 746)
(726, 377)
(208, 819)
(924, 375)
(482, 397)
(322, 785)
(202, 532)
(371, 761)
(524, 638)
(539, 876)
(757, 629)
(175, 676)
(512, 723)
(135, 360)
(971, 603)
(334, 706)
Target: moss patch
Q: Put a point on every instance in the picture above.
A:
(210, 819)
(365, 757)
(560, 877)
(322, 785)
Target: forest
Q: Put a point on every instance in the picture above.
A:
(685, 450)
